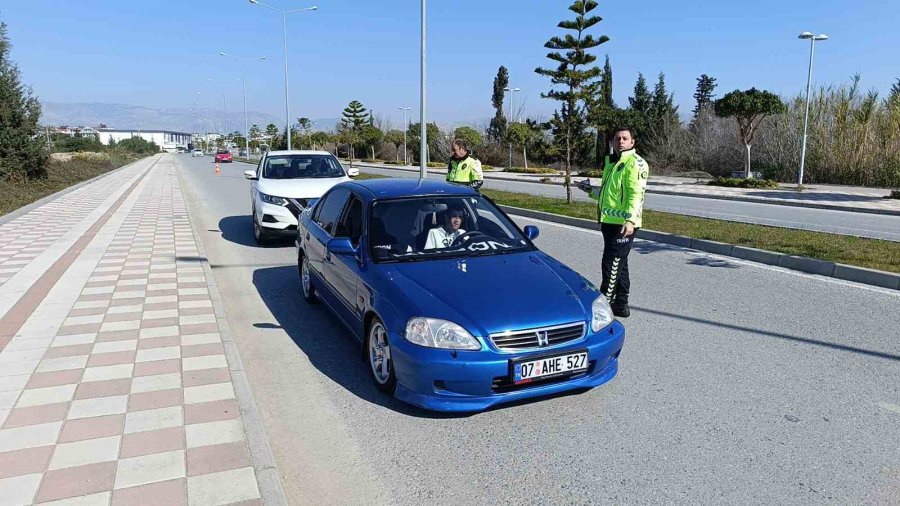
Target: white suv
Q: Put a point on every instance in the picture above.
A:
(286, 182)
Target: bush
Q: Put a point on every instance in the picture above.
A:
(531, 170)
(895, 194)
(591, 173)
(68, 144)
(371, 160)
(138, 145)
(437, 165)
(736, 182)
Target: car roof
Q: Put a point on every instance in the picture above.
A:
(297, 152)
(386, 188)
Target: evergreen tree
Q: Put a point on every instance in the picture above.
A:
(497, 128)
(22, 152)
(662, 108)
(642, 101)
(606, 85)
(704, 93)
(574, 72)
(355, 116)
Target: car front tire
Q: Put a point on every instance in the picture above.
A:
(378, 352)
(259, 234)
(306, 288)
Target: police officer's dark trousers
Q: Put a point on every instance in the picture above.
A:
(614, 265)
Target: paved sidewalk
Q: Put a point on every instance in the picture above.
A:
(117, 389)
(848, 198)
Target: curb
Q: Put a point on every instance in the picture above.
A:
(804, 264)
(270, 489)
(53, 196)
(738, 198)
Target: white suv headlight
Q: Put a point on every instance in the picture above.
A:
(269, 199)
(434, 333)
(601, 314)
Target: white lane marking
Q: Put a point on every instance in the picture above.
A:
(848, 284)
(890, 407)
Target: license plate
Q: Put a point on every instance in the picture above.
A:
(550, 367)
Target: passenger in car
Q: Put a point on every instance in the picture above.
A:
(443, 237)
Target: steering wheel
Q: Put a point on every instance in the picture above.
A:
(466, 237)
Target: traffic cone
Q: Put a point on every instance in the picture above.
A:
(218, 170)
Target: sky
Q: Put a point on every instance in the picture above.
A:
(160, 53)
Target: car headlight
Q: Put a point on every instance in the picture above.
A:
(434, 333)
(601, 314)
(269, 199)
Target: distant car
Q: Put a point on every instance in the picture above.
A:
(284, 184)
(197, 152)
(472, 320)
(242, 152)
(223, 155)
(180, 149)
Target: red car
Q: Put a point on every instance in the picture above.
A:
(223, 155)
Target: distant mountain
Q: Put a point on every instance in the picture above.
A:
(135, 116)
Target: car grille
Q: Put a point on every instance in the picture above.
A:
(544, 337)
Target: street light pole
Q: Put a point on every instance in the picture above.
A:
(508, 114)
(423, 131)
(287, 108)
(244, 91)
(812, 48)
(405, 128)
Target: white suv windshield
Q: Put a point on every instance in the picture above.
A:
(302, 167)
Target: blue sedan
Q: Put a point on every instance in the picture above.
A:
(454, 306)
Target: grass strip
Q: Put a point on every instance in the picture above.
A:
(869, 253)
(60, 175)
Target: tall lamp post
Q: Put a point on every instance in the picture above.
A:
(405, 128)
(508, 113)
(244, 87)
(812, 48)
(423, 131)
(287, 107)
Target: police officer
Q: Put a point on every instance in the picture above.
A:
(464, 168)
(620, 199)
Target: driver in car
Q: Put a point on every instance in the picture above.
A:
(443, 237)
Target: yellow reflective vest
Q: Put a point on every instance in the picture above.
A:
(620, 197)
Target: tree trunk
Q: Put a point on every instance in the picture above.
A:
(525, 156)
(747, 163)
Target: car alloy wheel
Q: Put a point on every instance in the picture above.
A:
(380, 357)
(309, 291)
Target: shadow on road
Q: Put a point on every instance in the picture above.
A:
(324, 339)
(712, 262)
(239, 230)
(798, 339)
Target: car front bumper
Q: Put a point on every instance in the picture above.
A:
(276, 219)
(443, 380)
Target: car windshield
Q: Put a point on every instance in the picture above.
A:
(223, 152)
(425, 228)
(302, 167)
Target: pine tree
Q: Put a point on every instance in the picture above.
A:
(497, 128)
(642, 100)
(704, 93)
(574, 73)
(355, 116)
(22, 152)
(606, 85)
(662, 108)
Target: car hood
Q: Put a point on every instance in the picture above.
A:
(299, 188)
(493, 294)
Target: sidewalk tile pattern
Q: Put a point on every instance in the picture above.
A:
(131, 401)
(26, 237)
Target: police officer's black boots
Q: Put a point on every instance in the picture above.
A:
(620, 309)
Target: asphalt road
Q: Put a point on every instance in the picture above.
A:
(738, 383)
(877, 226)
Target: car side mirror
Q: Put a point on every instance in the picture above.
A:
(532, 232)
(340, 246)
(353, 172)
(251, 175)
